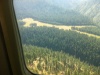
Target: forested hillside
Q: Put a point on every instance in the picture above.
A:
(50, 62)
(81, 46)
(44, 11)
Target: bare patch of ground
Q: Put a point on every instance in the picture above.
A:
(29, 21)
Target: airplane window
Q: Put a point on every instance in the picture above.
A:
(60, 37)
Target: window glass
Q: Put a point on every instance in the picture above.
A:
(60, 37)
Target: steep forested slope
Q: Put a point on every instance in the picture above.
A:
(45, 61)
(76, 44)
(50, 13)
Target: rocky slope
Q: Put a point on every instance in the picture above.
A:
(91, 8)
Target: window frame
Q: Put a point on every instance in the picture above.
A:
(12, 38)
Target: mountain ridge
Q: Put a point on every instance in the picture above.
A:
(91, 9)
(50, 13)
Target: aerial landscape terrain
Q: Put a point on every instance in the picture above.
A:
(60, 37)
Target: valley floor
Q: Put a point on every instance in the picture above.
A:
(29, 21)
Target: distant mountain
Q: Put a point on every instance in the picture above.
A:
(91, 8)
(51, 11)
(66, 4)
